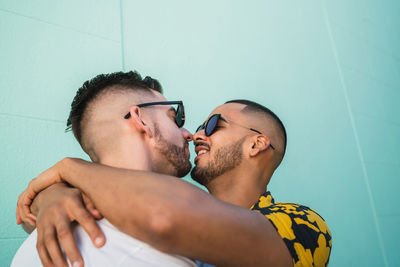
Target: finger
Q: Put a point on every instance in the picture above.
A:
(96, 214)
(88, 223)
(23, 216)
(32, 216)
(91, 207)
(44, 256)
(20, 214)
(28, 217)
(19, 221)
(26, 213)
(31, 221)
(41, 248)
(68, 242)
(44, 180)
(53, 247)
(27, 201)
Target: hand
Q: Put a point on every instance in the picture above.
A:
(61, 205)
(23, 217)
(44, 180)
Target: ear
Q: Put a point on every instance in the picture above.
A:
(136, 120)
(260, 143)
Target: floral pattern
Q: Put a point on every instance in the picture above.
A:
(304, 232)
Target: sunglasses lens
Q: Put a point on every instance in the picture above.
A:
(180, 116)
(199, 128)
(211, 124)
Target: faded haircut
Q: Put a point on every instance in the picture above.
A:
(255, 107)
(130, 81)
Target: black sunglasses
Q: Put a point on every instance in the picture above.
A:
(210, 126)
(179, 111)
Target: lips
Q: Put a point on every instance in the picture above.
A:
(201, 149)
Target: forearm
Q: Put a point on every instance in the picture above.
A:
(175, 216)
(136, 202)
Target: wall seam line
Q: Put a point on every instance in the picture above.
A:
(30, 117)
(355, 132)
(59, 25)
(121, 12)
(13, 238)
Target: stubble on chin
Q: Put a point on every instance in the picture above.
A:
(225, 159)
(174, 154)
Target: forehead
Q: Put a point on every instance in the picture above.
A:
(230, 111)
(233, 112)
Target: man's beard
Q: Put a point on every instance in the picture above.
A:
(175, 155)
(225, 159)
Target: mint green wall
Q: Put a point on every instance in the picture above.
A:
(329, 69)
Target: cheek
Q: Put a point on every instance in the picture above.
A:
(174, 135)
(214, 146)
(219, 139)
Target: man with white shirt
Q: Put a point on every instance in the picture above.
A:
(120, 120)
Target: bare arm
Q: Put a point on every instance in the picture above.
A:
(175, 216)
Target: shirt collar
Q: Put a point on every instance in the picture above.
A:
(265, 200)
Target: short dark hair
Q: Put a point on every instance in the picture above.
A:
(92, 88)
(253, 106)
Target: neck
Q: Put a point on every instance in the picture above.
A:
(241, 186)
(136, 157)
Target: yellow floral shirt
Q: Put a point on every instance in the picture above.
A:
(304, 232)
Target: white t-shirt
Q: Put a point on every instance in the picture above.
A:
(119, 250)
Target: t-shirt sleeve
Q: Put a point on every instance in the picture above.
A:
(304, 232)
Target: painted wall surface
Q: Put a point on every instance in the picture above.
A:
(329, 69)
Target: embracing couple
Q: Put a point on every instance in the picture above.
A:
(138, 147)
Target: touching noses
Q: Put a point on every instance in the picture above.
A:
(187, 135)
(200, 135)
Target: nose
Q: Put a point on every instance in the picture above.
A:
(187, 135)
(199, 135)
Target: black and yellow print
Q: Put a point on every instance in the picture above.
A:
(304, 232)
